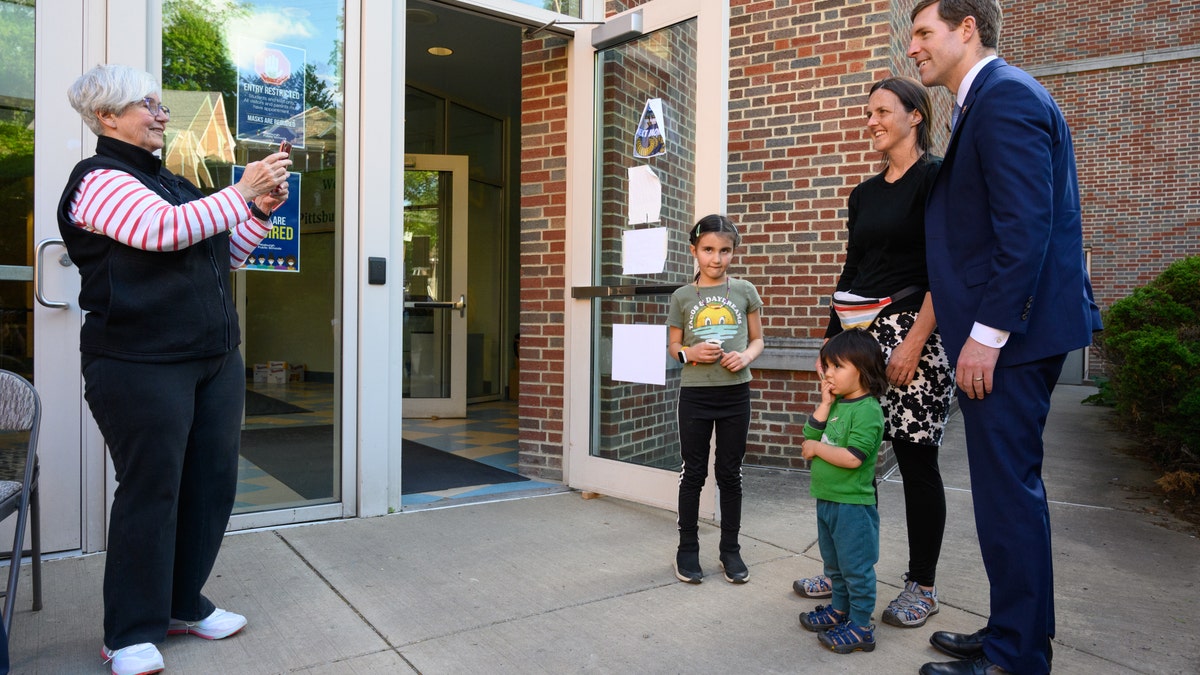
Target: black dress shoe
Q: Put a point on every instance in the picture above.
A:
(959, 645)
(976, 666)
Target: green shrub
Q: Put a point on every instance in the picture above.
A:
(1151, 341)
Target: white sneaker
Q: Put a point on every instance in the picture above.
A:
(139, 659)
(219, 624)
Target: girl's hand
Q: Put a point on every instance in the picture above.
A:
(704, 352)
(734, 361)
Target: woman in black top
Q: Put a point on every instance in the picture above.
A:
(885, 254)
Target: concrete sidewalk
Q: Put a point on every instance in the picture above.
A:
(558, 584)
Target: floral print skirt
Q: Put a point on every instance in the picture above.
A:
(916, 412)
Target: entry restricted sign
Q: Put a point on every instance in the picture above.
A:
(270, 95)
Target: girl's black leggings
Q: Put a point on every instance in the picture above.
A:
(701, 411)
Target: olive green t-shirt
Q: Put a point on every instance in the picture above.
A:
(714, 313)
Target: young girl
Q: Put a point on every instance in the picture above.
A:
(715, 332)
(841, 440)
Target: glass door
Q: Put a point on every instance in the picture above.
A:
(435, 286)
(657, 107)
(257, 89)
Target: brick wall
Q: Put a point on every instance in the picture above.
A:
(799, 74)
(798, 77)
(1126, 75)
(543, 256)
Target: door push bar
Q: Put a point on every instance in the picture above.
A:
(461, 305)
(64, 260)
(588, 292)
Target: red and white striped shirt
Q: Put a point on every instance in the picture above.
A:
(114, 204)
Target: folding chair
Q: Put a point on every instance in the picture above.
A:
(20, 418)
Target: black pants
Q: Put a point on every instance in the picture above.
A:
(173, 431)
(924, 508)
(701, 409)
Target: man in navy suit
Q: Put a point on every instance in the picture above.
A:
(1005, 253)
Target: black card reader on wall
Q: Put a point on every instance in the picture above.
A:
(377, 271)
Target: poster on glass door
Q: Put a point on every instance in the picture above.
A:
(280, 250)
(270, 93)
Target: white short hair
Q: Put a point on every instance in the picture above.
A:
(109, 88)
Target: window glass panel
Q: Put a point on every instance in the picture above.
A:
(16, 187)
(568, 7)
(238, 79)
(636, 422)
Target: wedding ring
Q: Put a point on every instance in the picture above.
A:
(979, 379)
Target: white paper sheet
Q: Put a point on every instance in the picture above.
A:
(645, 195)
(639, 353)
(644, 251)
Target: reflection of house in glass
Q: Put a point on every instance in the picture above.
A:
(197, 136)
(318, 148)
(199, 140)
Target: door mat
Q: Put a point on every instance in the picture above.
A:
(302, 458)
(261, 404)
(426, 469)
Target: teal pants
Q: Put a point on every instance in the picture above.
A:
(848, 535)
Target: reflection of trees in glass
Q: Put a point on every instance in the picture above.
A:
(16, 104)
(195, 56)
(16, 49)
(422, 193)
(336, 55)
(563, 6)
(316, 92)
(16, 146)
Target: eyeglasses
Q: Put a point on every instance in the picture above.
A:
(155, 107)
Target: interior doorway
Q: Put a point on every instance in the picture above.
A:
(463, 97)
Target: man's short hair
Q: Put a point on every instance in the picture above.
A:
(952, 12)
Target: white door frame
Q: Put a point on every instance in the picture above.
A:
(647, 485)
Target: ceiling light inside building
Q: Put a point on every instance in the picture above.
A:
(440, 51)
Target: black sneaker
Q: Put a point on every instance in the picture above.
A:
(687, 567)
(735, 570)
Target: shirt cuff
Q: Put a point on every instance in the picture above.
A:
(988, 336)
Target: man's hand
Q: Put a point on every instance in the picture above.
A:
(976, 365)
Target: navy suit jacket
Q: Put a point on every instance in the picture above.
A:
(1004, 236)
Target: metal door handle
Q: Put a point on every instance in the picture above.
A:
(64, 260)
(461, 305)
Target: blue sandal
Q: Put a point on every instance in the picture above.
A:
(823, 618)
(849, 637)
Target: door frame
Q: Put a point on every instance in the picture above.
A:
(656, 487)
(454, 405)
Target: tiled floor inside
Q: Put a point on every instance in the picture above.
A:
(488, 434)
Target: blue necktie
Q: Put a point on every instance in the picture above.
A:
(954, 115)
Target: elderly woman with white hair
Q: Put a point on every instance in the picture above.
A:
(162, 372)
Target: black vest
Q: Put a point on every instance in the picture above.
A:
(146, 306)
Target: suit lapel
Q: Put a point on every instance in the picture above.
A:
(969, 102)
